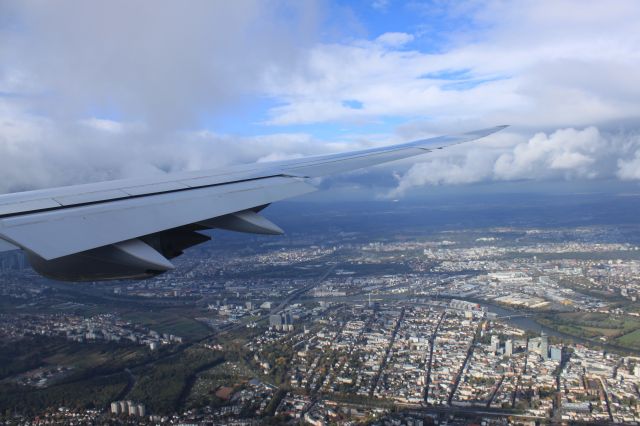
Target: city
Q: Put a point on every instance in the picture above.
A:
(320, 212)
(494, 325)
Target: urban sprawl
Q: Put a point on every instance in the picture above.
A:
(500, 326)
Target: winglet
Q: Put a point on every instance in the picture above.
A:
(450, 140)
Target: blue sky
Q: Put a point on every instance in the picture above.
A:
(432, 25)
(102, 90)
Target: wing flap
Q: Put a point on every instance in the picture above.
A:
(71, 230)
(90, 197)
(154, 188)
(8, 208)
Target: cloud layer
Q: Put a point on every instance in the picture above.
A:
(93, 91)
(532, 64)
(564, 154)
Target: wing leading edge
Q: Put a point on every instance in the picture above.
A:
(56, 224)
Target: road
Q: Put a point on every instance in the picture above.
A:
(295, 294)
(431, 346)
(524, 371)
(495, 391)
(130, 384)
(456, 382)
(386, 354)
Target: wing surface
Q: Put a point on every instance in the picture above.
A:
(58, 222)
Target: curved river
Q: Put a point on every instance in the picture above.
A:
(525, 323)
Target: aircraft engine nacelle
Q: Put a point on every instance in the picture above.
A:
(132, 259)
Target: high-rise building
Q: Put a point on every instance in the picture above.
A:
(495, 343)
(543, 348)
(508, 347)
(288, 322)
(556, 353)
(275, 321)
(128, 407)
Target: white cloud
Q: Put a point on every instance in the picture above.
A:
(530, 63)
(566, 150)
(95, 91)
(37, 153)
(564, 154)
(394, 40)
(111, 126)
(162, 63)
(629, 169)
(380, 4)
(92, 91)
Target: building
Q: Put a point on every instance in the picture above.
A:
(508, 347)
(283, 322)
(495, 343)
(540, 345)
(463, 305)
(556, 353)
(543, 349)
(128, 407)
(275, 322)
(137, 410)
(288, 322)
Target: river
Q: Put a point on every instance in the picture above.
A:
(524, 323)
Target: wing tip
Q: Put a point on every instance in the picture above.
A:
(490, 130)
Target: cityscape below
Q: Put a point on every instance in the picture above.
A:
(512, 310)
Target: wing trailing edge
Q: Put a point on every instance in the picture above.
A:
(131, 228)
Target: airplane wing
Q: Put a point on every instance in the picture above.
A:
(132, 228)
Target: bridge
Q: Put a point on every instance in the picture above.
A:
(508, 317)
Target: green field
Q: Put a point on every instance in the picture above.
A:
(618, 330)
(175, 322)
(631, 340)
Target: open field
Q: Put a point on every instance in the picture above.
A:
(176, 322)
(631, 340)
(618, 330)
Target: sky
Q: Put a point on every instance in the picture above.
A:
(91, 91)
